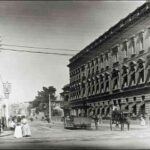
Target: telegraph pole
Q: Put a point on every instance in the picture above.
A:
(7, 88)
(49, 109)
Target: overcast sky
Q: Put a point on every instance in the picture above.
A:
(64, 24)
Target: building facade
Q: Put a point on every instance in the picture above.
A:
(114, 69)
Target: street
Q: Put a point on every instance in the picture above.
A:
(56, 137)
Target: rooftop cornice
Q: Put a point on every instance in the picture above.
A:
(119, 26)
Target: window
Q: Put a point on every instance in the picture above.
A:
(92, 63)
(115, 54)
(115, 79)
(125, 49)
(106, 59)
(88, 69)
(134, 110)
(108, 111)
(132, 73)
(93, 87)
(101, 61)
(97, 84)
(142, 109)
(83, 89)
(141, 41)
(89, 88)
(106, 82)
(125, 76)
(140, 71)
(96, 60)
(83, 68)
(132, 44)
(97, 70)
(92, 71)
(102, 83)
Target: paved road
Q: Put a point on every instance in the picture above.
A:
(56, 137)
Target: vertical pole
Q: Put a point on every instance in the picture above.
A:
(49, 109)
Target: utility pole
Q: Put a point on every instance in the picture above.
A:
(7, 89)
(49, 109)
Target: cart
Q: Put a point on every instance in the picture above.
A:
(73, 122)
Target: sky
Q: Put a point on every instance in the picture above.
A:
(54, 24)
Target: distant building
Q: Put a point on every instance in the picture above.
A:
(65, 99)
(19, 109)
(114, 69)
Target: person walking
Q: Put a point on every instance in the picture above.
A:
(25, 127)
(18, 128)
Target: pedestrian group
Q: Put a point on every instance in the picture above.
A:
(20, 126)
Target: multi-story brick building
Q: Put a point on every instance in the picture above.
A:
(115, 68)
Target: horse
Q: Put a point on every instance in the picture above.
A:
(120, 117)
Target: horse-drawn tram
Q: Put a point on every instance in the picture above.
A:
(73, 122)
(119, 117)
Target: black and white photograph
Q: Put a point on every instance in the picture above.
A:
(75, 74)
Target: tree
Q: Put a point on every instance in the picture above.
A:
(42, 99)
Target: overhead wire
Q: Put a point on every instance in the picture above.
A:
(35, 47)
(38, 52)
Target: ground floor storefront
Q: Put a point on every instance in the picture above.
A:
(137, 104)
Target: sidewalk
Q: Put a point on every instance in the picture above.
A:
(6, 133)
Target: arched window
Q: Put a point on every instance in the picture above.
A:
(83, 88)
(140, 71)
(125, 76)
(88, 69)
(93, 86)
(140, 41)
(132, 73)
(142, 109)
(106, 59)
(132, 45)
(107, 81)
(101, 83)
(103, 111)
(115, 79)
(97, 84)
(115, 54)
(89, 87)
(125, 49)
(101, 61)
(134, 109)
(98, 111)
